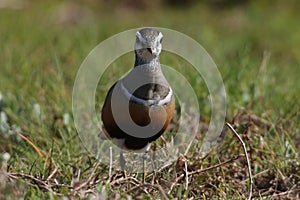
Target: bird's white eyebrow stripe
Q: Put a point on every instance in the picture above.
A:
(149, 102)
(139, 35)
(160, 35)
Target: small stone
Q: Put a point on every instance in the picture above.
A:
(66, 119)
(6, 156)
(3, 122)
(3, 117)
(37, 110)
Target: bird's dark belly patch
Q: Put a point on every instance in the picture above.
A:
(151, 91)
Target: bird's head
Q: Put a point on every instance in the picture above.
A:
(148, 43)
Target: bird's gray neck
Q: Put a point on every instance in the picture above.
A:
(149, 65)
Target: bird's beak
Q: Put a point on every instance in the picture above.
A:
(150, 50)
(150, 53)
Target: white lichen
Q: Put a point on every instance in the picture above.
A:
(4, 127)
(66, 119)
(6, 156)
(37, 110)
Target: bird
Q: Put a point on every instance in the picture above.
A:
(144, 94)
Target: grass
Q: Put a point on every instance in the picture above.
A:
(255, 46)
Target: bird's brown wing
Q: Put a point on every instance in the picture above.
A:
(139, 114)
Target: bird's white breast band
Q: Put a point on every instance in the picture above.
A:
(149, 102)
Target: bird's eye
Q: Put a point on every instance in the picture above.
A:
(160, 41)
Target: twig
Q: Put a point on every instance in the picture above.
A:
(79, 173)
(215, 166)
(186, 175)
(286, 193)
(88, 181)
(175, 182)
(118, 181)
(35, 148)
(259, 121)
(161, 190)
(165, 166)
(141, 186)
(257, 174)
(201, 171)
(110, 162)
(247, 158)
(52, 174)
(40, 183)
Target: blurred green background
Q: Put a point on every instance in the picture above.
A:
(255, 44)
(45, 41)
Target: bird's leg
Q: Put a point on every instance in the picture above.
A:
(144, 163)
(154, 164)
(122, 163)
(144, 166)
(154, 157)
